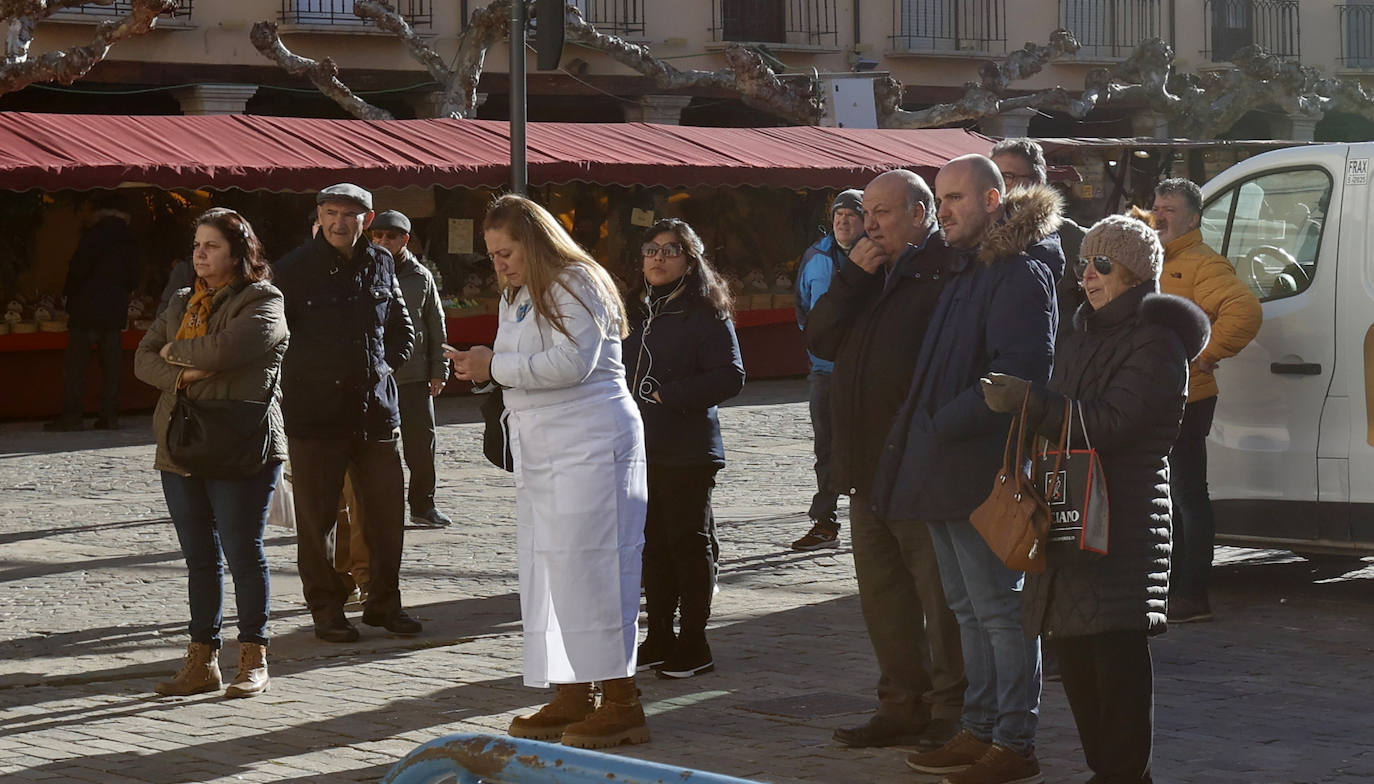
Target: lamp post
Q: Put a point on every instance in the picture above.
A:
(519, 169)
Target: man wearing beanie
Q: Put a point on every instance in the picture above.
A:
(1194, 271)
(817, 267)
(871, 323)
(996, 314)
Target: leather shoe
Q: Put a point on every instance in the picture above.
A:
(398, 622)
(881, 731)
(433, 519)
(336, 630)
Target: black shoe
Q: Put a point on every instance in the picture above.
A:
(881, 731)
(655, 650)
(691, 656)
(336, 630)
(937, 733)
(433, 518)
(397, 622)
(107, 423)
(64, 424)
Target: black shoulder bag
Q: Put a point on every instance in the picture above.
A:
(221, 439)
(496, 430)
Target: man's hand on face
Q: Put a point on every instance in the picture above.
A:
(868, 254)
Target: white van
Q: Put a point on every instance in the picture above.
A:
(1291, 454)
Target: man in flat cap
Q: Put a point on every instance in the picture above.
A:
(349, 330)
(422, 378)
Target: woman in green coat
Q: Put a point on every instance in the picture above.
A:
(221, 339)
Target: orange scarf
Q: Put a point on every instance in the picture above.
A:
(196, 322)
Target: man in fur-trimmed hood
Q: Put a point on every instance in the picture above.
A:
(997, 311)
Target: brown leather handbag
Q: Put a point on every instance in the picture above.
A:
(1015, 519)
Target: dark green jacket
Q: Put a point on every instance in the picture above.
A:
(427, 316)
(245, 344)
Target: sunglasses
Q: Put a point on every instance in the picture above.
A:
(1102, 264)
(669, 250)
(387, 234)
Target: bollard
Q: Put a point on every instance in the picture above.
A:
(468, 758)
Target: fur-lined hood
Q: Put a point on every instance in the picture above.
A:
(1180, 315)
(1032, 214)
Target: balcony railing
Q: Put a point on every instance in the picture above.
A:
(949, 25)
(1357, 36)
(122, 8)
(340, 12)
(613, 16)
(1110, 28)
(805, 22)
(1230, 25)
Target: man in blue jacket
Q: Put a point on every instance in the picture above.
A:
(996, 311)
(817, 267)
(349, 331)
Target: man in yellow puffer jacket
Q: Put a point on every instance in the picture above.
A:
(1195, 271)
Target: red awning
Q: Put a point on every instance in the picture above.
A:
(55, 151)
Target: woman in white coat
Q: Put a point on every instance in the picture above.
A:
(581, 477)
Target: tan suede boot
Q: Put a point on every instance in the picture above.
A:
(199, 675)
(572, 702)
(620, 719)
(252, 676)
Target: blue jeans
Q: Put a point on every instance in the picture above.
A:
(228, 514)
(1001, 663)
(823, 502)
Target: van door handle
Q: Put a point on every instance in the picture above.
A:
(1296, 368)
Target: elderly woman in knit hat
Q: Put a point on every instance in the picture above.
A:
(1124, 371)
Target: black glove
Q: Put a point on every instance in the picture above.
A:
(1004, 394)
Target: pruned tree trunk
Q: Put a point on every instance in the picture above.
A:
(323, 73)
(20, 17)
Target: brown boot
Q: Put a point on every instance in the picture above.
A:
(572, 702)
(252, 676)
(620, 719)
(199, 675)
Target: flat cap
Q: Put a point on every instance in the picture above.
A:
(391, 219)
(346, 191)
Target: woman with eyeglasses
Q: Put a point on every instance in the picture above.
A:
(683, 360)
(1125, 369)
(578, 448)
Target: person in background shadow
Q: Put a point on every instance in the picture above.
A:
(100, 276)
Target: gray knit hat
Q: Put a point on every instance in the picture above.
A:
(1126, 241)
(851, 199)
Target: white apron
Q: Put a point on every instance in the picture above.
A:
(581, 495)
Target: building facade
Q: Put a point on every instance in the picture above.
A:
(201, 60)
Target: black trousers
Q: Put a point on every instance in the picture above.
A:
(76, 366)
(317, 472)
(1194, 527)
(1109, 681)
(418, 443)
(679, 559)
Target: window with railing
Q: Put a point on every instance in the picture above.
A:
(340, 12)
(1231, 25)
(613, 16)
(949, 25)
(1357, 35)
(122, 8)
(1110, 28)
(808, 22)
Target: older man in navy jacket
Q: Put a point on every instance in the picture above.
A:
(997, 311)
(349, 332)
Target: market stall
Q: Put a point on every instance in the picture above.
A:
(757, 194)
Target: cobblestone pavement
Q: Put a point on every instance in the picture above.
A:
(92, 612)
